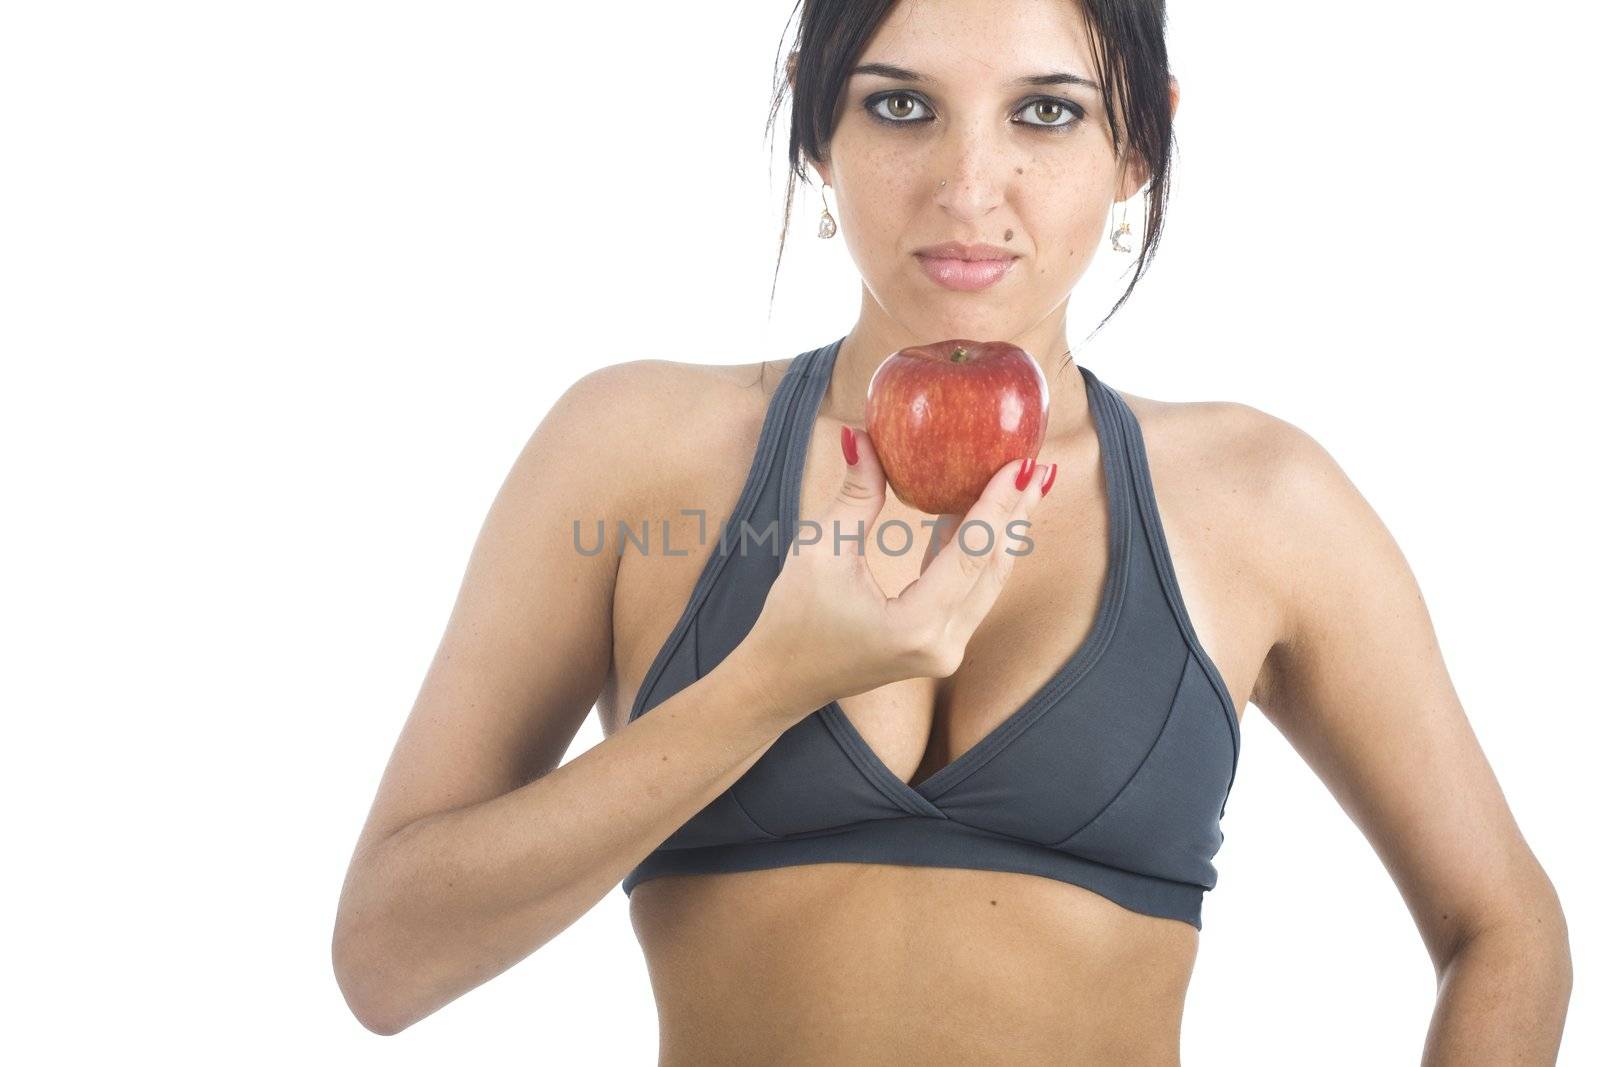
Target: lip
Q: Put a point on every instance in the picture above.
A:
(957, 250)
(966, 275)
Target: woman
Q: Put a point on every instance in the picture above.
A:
(954, 805)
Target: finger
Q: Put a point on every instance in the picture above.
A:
(976, 540)
(1001, 560)
(939, 536)
(1015, 541)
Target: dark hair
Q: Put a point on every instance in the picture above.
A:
(1129, 52)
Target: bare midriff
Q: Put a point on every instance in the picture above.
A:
(854, 963)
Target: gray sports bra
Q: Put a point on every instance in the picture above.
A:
(1113, 776)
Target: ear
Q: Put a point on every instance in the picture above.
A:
(1135, 173)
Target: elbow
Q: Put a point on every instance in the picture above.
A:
(1534, 939)
(368, 988)
(377, 1022)
(1543, 930)
(1549, 952)
(1552, 926)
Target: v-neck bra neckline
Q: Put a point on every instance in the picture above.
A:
(919, 799)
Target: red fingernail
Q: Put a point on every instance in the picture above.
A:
(1022, 475)
(847, 441)
(1049, 480)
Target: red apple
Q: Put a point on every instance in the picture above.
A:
(943, 417)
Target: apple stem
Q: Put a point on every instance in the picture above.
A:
(958, 355)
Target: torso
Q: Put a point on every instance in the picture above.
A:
(843, 963)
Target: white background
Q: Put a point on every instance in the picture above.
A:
(285, 287)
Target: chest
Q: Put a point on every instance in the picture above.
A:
(1043, 616)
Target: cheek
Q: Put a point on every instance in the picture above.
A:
(879, 212)
(1068, 215)
(877, 176)
(1075, 239)
(1082, 229)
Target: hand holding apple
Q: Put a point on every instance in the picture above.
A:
(828, 630)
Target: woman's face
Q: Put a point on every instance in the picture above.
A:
(1026, 167)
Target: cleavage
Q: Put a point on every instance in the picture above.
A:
(1043, 615)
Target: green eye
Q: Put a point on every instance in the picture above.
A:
(1058, 106)
(901, 104)
(892, 97)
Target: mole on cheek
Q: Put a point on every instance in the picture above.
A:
(1008, 235)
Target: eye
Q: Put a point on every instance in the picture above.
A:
(1052, 107)
(872, 107)
(1045, 106)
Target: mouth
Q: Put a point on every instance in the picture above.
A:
(957, 250)
(965, 275)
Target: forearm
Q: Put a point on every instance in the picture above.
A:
(452, 900)
(1503, 997)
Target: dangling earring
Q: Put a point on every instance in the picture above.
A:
(826, 228)
(1121, 231)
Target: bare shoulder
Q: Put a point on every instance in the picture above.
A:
(1282, 481)
(1221, 446)
(658, 424)
(1286, 477)
(648, 387)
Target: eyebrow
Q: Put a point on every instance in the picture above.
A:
(889, 70)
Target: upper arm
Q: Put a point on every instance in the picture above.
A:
(1357, 685)
(527, 647)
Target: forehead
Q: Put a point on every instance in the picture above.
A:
(954, 43)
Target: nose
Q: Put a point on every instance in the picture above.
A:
(968, 196)
(970, 179)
